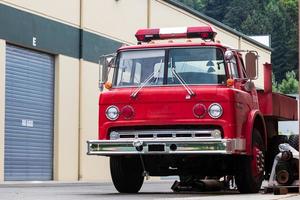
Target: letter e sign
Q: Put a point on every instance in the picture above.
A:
(34, 41)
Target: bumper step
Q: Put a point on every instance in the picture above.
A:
(167, 146)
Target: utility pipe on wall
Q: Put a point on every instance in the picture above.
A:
(79, 86)
(148, 13)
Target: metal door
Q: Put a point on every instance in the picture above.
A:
(29, 96)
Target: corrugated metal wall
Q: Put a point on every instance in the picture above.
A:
(28, 115)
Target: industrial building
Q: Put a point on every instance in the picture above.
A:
(49, 52)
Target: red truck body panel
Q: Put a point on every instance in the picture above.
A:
(278, 106)
(167, 106)
(271, 104)
(159, 106)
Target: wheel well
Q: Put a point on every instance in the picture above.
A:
(260, 126)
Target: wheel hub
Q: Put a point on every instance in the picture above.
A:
(258, 161)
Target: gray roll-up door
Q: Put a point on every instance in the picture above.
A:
(29, 96)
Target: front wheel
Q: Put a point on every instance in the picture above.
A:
(126, 174)
(250, 170)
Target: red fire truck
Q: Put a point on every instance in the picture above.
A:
(182, 104)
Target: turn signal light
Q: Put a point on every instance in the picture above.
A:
(199, 110)
(230, 82)
(127, 112)
(108, 85)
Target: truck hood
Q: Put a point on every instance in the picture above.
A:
(163, 95)
(164, 103)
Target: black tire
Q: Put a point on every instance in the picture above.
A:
(284, 173)
(249, 179)
(273, 150)
(186, 180)
(294, 141)
(189, 178)
(126, 174)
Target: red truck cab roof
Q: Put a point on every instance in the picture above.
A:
(172, 45)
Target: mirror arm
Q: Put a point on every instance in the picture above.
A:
(228, 62)
(100, 82)
(257, 72)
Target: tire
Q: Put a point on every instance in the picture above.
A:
(284, 173)
(273, 150)
(126, 174)
(294, 141)
(190, 178)
(249, 177)
(186, 180)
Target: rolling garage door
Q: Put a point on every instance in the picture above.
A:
(28, 115)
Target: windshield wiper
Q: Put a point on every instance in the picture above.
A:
(136, 91)
(182, 82)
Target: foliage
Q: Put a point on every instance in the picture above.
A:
(278, 18)
(289, 85)
(274, 84)
(196, 4)
(284, 36)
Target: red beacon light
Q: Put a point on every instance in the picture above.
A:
(203, 32)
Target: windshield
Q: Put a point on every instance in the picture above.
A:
(202, 65)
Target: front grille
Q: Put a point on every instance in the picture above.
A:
(152, 134)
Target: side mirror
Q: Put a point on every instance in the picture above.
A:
(251, 64)
(106, 62)
(228, 55)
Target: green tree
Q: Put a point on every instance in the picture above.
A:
(239, 11)
(212, 8)
(283, 17)
(289, 85)
(274, 84)
(291, 12)
(215, 8)
(278, 18)
(196, 4)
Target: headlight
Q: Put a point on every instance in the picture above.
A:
(215, 110)
(112, 113)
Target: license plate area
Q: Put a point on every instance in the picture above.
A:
(156, 147)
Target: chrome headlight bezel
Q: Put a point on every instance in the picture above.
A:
(215, 107)
(114, 135)
(112, 113)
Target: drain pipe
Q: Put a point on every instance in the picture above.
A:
(79, 88)
(148, 13)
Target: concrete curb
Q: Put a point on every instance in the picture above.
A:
(50, 184)
(66, 183)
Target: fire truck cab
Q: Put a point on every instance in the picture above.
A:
(180, 103)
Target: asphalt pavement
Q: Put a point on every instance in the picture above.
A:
(85, 191)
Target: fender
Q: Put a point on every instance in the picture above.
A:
(253, 114)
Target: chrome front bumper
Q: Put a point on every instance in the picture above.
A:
(165, 146)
